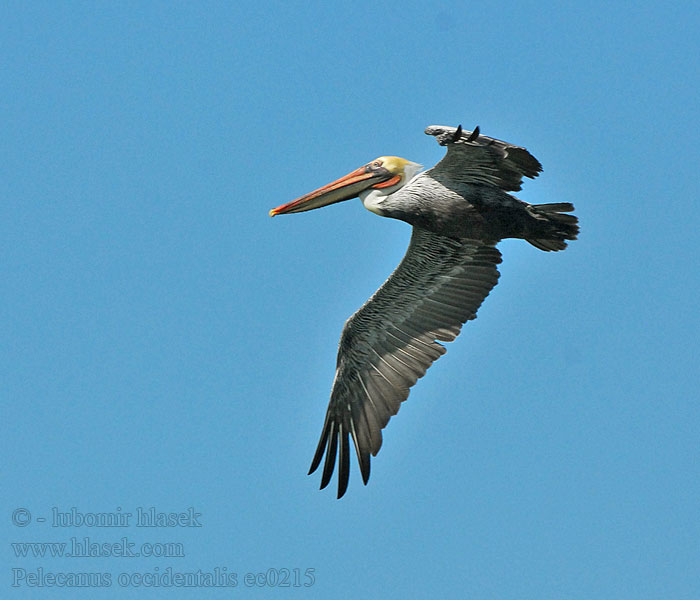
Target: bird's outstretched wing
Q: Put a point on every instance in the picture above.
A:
(391, 341)
(474, 158)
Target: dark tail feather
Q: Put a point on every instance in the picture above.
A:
(553, 226)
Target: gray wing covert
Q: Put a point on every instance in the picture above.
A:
(392, 340)
(474, 158)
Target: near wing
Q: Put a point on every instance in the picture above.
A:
(474, 158)
(391, 341)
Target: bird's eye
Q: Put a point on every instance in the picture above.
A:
(376, 164)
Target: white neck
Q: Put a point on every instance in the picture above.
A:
(372, 199)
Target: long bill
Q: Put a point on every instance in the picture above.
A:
(341, 189)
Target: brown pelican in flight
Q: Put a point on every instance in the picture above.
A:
(460, 209)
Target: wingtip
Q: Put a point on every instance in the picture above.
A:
(318, 455)
(342, 486)
(343, 461)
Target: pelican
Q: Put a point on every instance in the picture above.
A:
(460, 209)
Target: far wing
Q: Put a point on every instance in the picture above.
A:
(391, 341)
(474, 158)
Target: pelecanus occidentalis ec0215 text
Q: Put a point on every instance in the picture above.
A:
(460, 209)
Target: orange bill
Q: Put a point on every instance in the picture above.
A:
(341, 189)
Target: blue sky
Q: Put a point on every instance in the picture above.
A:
(166, 344)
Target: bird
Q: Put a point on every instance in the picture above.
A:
(459, 210)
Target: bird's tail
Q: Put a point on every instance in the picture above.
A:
(553, 226)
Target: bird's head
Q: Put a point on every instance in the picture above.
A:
(378, 178)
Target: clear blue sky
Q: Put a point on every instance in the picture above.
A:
(164, 343)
